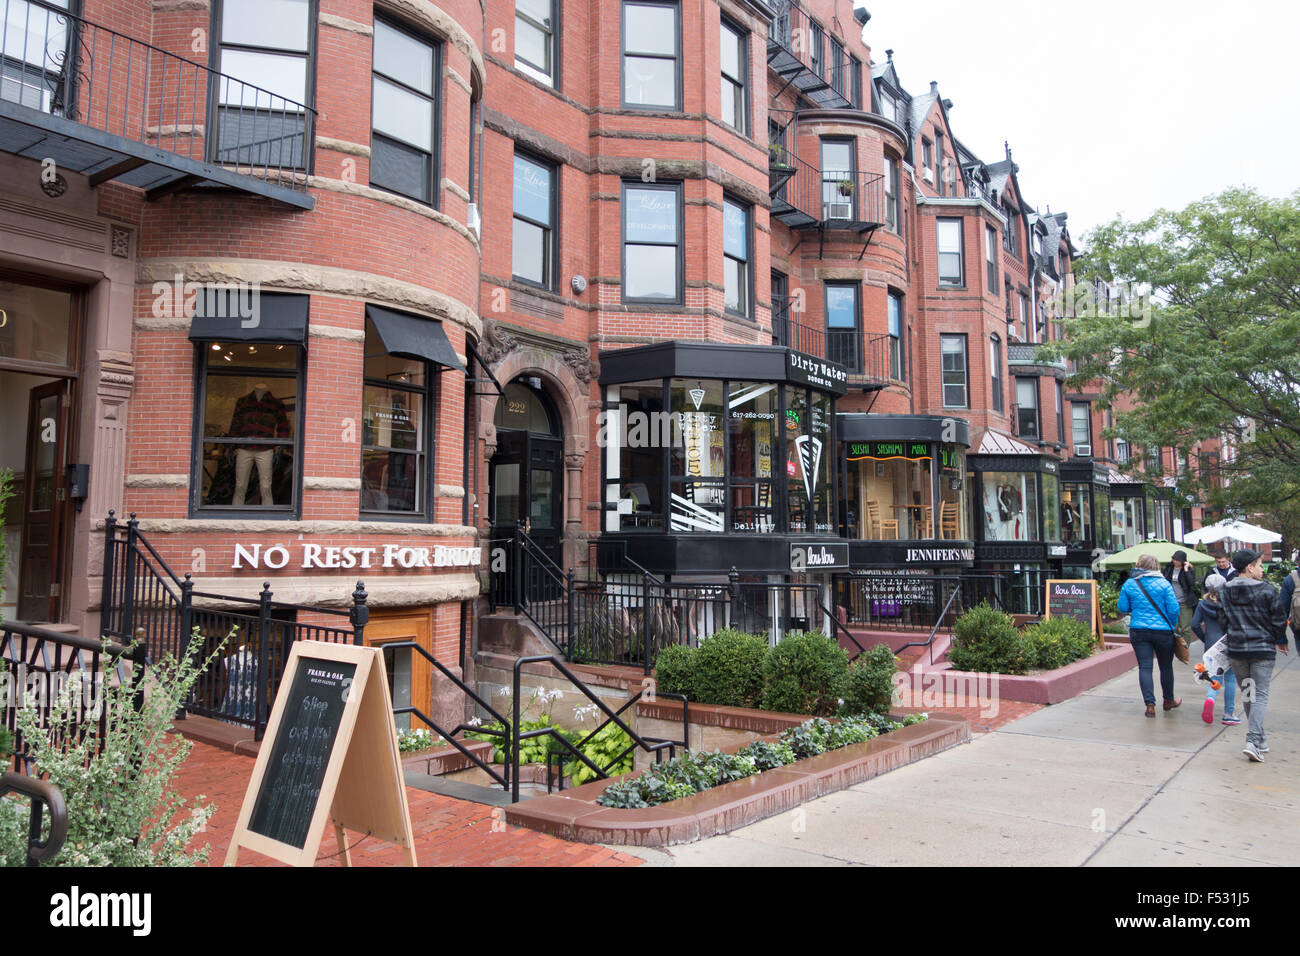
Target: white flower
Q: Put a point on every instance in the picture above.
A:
(503, 691)
(474, 722)
(841, 701)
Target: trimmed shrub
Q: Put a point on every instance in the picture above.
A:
(728, 669)
(1058, 641)
(985, 639)
(675, 670)
(870, 685)
(805, 674)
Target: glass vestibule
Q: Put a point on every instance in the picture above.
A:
(1010, 505)
(1076, 512)
(1127, 522)
(700, 455)
(890, 491)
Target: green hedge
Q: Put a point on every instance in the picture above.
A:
(985, 640)
(728, 669)
(675, 670)
(870, 685)
(805, 674)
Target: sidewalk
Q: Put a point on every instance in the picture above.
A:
(447, 832)
(1086, 782)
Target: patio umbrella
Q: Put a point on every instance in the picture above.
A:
(1163, 550)
(1242, 531)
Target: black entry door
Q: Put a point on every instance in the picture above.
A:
(528, 494)
(44, 505)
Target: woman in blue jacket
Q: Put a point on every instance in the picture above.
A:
(1149, 601)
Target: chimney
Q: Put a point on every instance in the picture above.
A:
(934, 88)
(889, 55)
(1007, 146)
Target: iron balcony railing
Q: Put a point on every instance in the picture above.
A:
(852, 197)
(808, 58)
(57, 63)
(1026, 353)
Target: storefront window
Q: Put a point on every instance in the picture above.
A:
(1104, 539)
(1076, 512)
(890, 487)
(808, 466)
(751, 426)
(394, 425)
(35, 323)
(1051, 508)
(248, 403)
(698, 463)
(642, 428)
(953, 521)
(1010, 506)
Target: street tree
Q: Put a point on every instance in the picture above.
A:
(1217, 352)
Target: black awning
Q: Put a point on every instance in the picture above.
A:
(412, 336)
(243, 314)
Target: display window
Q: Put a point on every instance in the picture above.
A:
(1010, 504)
(1076, 512)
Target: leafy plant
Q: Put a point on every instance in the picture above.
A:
(115, 779)
(870, 684)
(6, 745)
(805, 674)
(768, 756)
(605, 750)
(409, 741)
(986, 640)
(1108, 597)
(675, 670)
(1058, 641)
(728, 669)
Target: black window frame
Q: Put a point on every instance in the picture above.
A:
(965, 369)
(854, 335)
(675, 6)
(552, 34)
(551, 243)
(1087, 418)
(739, 84)
(817, 50)
(897, 340)
(1010, 234)
(679, 194)
(747, 264)
(1036, 432)
(991, 262)
(996, 378)
(431, 391)
(218, 47)
(435, 155)
(960, 253)
(202, 354)
(851, 172)
(893, 205)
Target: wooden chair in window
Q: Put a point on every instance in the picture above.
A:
(927, 521)
(881, 526)
(948, 519)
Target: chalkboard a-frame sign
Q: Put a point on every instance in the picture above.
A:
(1076, 598)
(329, 752)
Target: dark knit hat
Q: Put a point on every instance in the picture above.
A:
(1180, 555)
(1244, 559)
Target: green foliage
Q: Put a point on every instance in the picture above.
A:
(1218, 355)
(1108, 597)
(986, 640)
(6, 744)
(696, 771)
(805, 674)
(870, 684)
(121, 808)
(728, 669)
(1277, 571)
(410, 741)
(605, 750)
(675, 670)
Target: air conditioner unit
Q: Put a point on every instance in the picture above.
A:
(927, 174)
(837, 210)
(472, 220)
(1082, 451)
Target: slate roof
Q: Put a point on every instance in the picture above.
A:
(996, 443)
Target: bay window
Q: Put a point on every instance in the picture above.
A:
(404, 124)
(652, 247)
(995, 366)
(843, 329)
(991, 256)
(897, 353)
(264, 54)
(1027, 425)
(651, 55)
(397, 410)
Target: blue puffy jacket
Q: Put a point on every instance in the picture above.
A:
(1143, 613)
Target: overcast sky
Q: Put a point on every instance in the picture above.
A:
(1112, 106)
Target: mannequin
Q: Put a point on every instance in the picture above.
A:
(259, 414)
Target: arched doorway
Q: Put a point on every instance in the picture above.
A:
(527, 472)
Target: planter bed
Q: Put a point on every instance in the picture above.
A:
(1052, 687)
(446, 759)
(575, 815)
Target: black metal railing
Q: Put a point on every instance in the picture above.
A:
(44, 796)
(852, 197)
(144, 600)
(798, 201)
(895, 601)
(802, 50)
(60, 676)
(780, 136)
(61, 64)
(951, 609)
(788, 328)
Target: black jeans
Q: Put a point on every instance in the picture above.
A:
(1160, 645)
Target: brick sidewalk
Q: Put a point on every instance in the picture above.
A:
(981, 721)
(448, 832)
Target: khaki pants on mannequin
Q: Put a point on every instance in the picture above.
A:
(244, 460)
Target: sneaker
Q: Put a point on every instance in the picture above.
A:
(1230, 719)
(1252, 752)
(1262, 748)
(1207, 711)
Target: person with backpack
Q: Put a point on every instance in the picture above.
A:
(1254, 618)
(1207, 624)
(1149, 601)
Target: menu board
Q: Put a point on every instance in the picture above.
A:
(1075, 598)
(304, 740)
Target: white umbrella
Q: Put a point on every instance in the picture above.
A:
(1241, 531)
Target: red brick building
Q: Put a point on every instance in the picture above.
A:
(338, 290)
